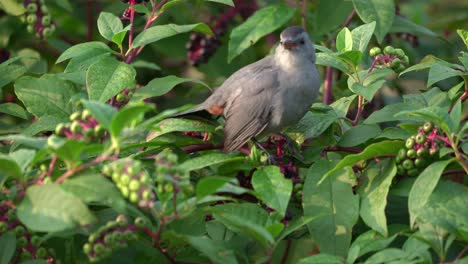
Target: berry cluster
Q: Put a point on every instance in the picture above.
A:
(169, 177)
(114, 235)
(201, 48)
(132, 180)
(419, 151)
(391, 57)
(127, 13)
(28, 246)
(122, 98)
(82, 127)
(38, 18)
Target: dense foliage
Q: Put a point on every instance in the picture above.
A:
(95, 168)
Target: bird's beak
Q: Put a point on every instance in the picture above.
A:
(288, 44)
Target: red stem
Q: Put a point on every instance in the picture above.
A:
(51, 166)
(132, 28)
(327, 90)
(359, 110)
(349, 18)
(90, 20)
(96, 161)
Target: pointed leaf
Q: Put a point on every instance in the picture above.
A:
(272, 187)
(109, 25)
(209, 160)
(157, 33)
(362, 35)
(214, 250)
(88, 49)
(380, 11)
(7, 247)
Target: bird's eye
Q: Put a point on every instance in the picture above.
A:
(302, 42)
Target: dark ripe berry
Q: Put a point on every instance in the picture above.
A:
(411, 153)
(420, 139)
(420, 163)
(395, 63)
(133, 197)
(413, 172)
(408, 164)
(400, 170)
(389, 50)
(46, 20)
(41, 253)
(402, 154)
(87, 248)
(31, 19)
(375, 51)
(409, 143)
(31, 8)
(422, 152)
(400, 53)
(75, 116)
(428, 126)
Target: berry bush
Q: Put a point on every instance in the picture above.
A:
(95, 167)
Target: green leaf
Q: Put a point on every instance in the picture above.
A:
(36, 143)
(84, 185)
(352, 57)
(146, 65)
(7, 247)
(332, 60)
(380, 11)
(362, 35)
(341, 105)
(404, 25)
(88, 49)
(10, 72)
(456, 116)
(109, 25)
(272, 188)
(334, 199)
(386, 256)
(14, 110)
(358, 135)
(101, 111)
(119, 37)
(214, 250)
(367, 242)
(179, 125)
(47, 208)
(434, 113)
(374, 186)
(131, 115)
(374, 150)
(330, 15)
(395, 133)
(209, 160)
(107, 77)
(157, 33)
(440, 72)
(226, 2)
(44, 123)
(23, 157)
(371, 84)
(315, 123)
(209, 185)
(245, 218)
(463, 35)
(47, 95)
(9, 167)
(161, 86)
(344, 40)
(70, 151)
(321, 258)
(12, 7)
(261, 23)
(295, 225)
(423, 188)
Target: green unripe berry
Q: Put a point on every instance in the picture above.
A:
(36, 241)
(124, 179)
(420, 163)
(397, 159)
(395, 63)
(146, 195)
(128, 235)
(125, 192)
(87, 248)
(31, 8)
(422, 152)
(43, 167)
(160, 188)
(19, 231)
(111, 224)
(76, 127)
(168, 188)
(47, 32)
(375, 51)
(140, 222)
(21, 242)
(116, 177)
(409, 143)
(298, 187)
(31, 19)
(46, 20)
(400, 68)
(408, 164)
(108, 239)
(75, 116)
(117, 235)
(92, 238)
(121, 220)
(420, 139)
(389, 50)
(134, 185)
(85, 114)
(41, 252)
(400, 170)
(402, 154)
(3, 227)
(30, 28)
(400, 53)
(428, 126)
(133, 197)
(144, 178)
(59, 128)
(44, 9)
(99, 131)
(121, 97)
(89, 133)
(99, 248)
(406, 60)
(411, 153)
(25, 255)
(413, 172)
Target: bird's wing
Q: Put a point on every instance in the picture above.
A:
(247, 112)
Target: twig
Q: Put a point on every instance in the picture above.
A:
(349, 18)
(462, 98)
(97, 160)
(51, 166)
(304, 14)
(359, 110)
(327, 90)
(90, 20)
(132, 28)
(201, 147)
(345, 149)
(285, 256)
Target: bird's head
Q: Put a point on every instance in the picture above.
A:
(295, 42)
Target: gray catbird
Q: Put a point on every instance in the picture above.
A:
(266, 96)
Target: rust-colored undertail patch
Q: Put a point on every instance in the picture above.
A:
(216, 110)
